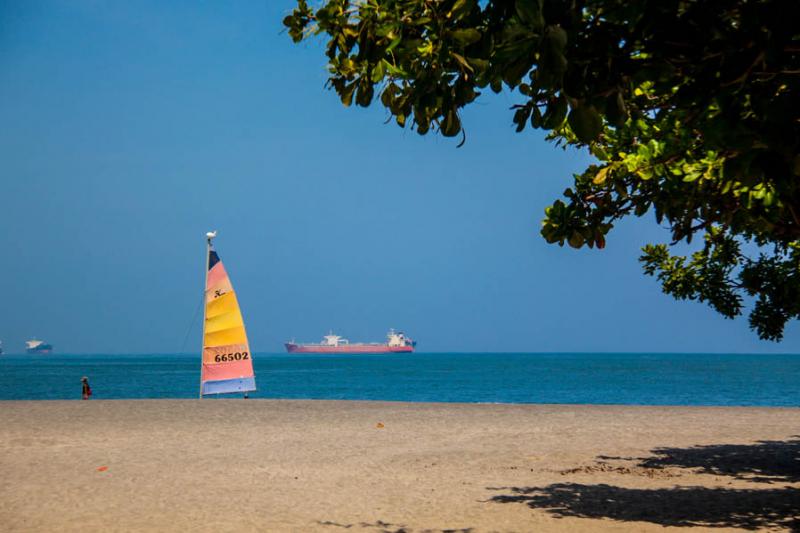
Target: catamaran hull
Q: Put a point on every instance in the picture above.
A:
(349, 349)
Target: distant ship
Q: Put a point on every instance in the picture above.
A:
(396, 342)
(37, 346)
(1, 347)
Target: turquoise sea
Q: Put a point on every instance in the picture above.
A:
(573, 378)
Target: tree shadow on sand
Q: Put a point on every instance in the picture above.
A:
(680, 506)
(764, 462)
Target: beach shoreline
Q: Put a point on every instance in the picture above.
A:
(321, 465)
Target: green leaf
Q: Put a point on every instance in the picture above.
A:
(393, 70)
(346, 94)
(461, 8)
(576, 240)
(364, 93)
(388, 95)
(462, 60)
(691, 176)
(521, 117)
(394, 43)
(377, 72)
(478, 63)
(465, 37)
(530, 13)
(451, 125)
(585, 122)
(536, 117)
(556, 113)
(600, 177)
(616, 110)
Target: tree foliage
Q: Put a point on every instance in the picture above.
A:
(691, 108)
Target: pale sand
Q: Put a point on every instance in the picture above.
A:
(237, 465)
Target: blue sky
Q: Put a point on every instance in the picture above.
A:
(129, 131)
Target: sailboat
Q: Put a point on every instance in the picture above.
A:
(227, 363)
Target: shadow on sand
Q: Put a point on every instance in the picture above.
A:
(750, 508)
(380, 526)
(765, 461)
(680, 506)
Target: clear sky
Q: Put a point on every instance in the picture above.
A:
(130, 129)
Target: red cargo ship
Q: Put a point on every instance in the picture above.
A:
(396, 342)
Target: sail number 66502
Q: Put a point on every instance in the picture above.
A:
(238, 356)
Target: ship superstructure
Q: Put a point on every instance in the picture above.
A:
(396, 342)
(37, 346)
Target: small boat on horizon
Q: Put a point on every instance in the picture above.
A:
(35, 346)
(396, 342)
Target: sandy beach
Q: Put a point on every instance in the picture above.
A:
(260, 465)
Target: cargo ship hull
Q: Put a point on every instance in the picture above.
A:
(347, 349)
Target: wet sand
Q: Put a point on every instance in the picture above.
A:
(260, 465)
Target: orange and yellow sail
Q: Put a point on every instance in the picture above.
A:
(227, 361)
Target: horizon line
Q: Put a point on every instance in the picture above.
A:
(439, 352)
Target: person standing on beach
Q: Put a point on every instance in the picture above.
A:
(86, 390)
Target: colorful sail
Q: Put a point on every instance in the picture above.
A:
(227, 361)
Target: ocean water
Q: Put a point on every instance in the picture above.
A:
(583, 378)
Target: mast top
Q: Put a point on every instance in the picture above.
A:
(210, 235)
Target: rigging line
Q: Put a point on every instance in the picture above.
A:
(194, 319)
